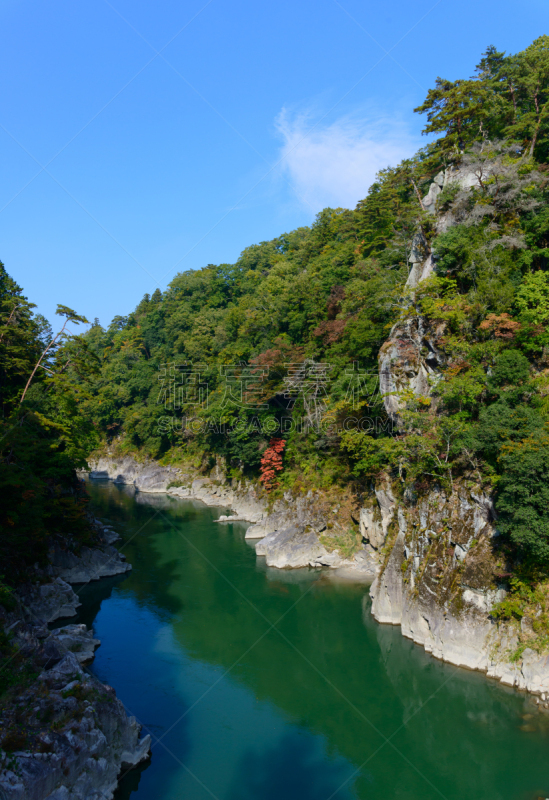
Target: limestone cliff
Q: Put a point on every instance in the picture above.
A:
(413, 355)
(439, 577)
(440, 580)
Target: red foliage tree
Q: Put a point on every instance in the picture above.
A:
(271, 463)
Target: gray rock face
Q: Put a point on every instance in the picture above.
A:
(109, 535)
(270, 524)
(301, 511)
(56, 599)
(437, 585)
(259, 530)
(462, 176)
(152, 478)
(147, 476)
(411, 356)
(387, 505)
(297, 546)
(83, 754)
(530, 674)
(421, 261)
(78, 640)
(387, 590)
(291, 547)
(242, 498)
(50, 601)
(374, 520)
(370, 526)
(420, 271)
(80, 752)
(89, 565)
(410, 359)
(430, 199)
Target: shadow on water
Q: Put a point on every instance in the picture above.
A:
(129, 783)
(91, 595)
(269, 683)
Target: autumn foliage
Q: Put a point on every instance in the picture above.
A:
(271, 463)
(501, 325)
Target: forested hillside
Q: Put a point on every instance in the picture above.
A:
(43, 434)
(299, 321)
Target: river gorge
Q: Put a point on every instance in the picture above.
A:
(256, 682)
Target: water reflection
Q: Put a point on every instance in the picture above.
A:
(294, 767)
(266, 681)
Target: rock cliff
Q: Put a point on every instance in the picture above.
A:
(87, 741)
(64, 736)
(150, 477)
(440, 580)
(413, 355)
(410, 359)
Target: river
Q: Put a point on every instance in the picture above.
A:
(262, 684)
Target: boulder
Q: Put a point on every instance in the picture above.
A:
(290, 548)
(90, 564)
(49, 601)
(76, 639)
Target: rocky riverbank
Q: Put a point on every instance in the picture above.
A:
(440, 580)
(64, 734)
(292, 532)
(431, 560)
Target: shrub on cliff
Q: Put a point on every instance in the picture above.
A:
(523, 496)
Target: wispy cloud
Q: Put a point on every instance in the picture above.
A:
(335, 164)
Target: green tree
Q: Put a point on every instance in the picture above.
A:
(527, 78)
(458, 109)
(70, 316)
(20, 341)
(523, 497)
(532, 298)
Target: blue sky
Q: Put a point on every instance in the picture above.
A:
(140, 139)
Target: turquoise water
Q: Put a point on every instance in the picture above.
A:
(264, 684)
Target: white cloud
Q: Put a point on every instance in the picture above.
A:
(335, 164)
